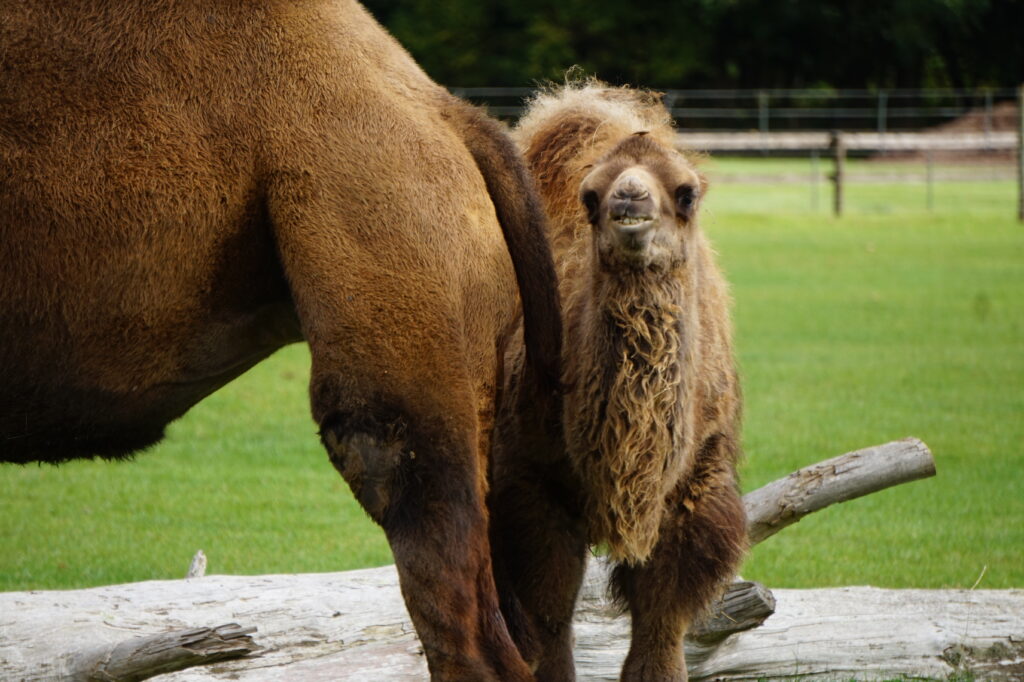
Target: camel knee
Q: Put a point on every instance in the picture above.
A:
(373, 455)
(403, 473)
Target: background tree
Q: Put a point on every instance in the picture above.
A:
(715, 43)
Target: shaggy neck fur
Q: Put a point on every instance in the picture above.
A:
(627, 424)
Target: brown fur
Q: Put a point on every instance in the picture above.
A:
(187, 186)
(650, 420)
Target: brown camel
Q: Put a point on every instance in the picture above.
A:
(645, 461)
(186, 186)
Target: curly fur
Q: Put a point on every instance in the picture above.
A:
(565, 131)
(648, 353)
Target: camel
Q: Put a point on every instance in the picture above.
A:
(640, 457)
(187, 186)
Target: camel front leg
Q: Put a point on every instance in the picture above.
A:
(701, 542)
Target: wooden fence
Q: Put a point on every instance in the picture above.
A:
(807, 141)
(838, 144)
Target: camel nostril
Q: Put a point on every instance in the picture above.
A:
(630, 187)
(632, 194)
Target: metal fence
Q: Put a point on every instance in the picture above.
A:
(771, 110)
(804, 122)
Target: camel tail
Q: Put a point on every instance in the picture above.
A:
(523, 223)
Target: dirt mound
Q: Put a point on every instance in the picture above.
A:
(1001, 118)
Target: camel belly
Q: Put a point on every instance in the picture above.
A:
(64, 400)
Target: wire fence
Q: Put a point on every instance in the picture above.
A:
(876, 185)
(947, 142)
(958, 162)
(769, 110)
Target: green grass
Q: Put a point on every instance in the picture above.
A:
(973, 199)
(858, 331)
(242, 476)
(889, 322)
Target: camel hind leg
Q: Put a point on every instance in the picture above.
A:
(415, 475)
(700, 545)
(539, 545)
(538, 535)
(402, 388)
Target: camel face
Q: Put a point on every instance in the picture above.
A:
(640, 199)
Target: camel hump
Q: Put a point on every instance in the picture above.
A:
(524, 226)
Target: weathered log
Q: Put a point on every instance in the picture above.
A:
(787, 500)
(744, 606)
(354, 625)
(143, 657)
(848, 633)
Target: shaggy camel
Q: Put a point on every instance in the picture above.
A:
(187, 186)
(645, 462)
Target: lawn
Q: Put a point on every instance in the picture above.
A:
(888, 322)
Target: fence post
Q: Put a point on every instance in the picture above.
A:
(1020, 153)
(929, 180)
(762, 111)
(814, 180)
(839, 154)
(669, 99)
(988, 112)
(883, 98)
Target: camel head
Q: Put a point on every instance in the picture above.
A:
(641, 200)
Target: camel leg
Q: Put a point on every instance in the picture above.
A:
(700, 545)
(540, 547)
(416, 474)
(404, 403)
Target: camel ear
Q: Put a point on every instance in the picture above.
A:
(686, 200)
(593, 204)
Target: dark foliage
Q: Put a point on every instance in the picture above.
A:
(715, 43)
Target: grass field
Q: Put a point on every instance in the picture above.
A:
(891, 321)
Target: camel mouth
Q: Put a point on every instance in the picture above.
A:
(633, 235)
(628, 223)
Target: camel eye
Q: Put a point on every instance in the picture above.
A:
(592, 203)
(686, 197)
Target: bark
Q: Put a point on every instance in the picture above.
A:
(143, 657)
(784, 502)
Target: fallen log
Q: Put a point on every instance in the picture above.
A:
(144, 657)
(848, 633)
(783, 502)
(354, 625)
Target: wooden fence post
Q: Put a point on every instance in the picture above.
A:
(762, 111)
(1020, 153)
(929, 180)
(883, 101)
(814, 180)
(839, 153)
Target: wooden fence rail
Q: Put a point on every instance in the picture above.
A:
(753, 141)
(838, 144)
